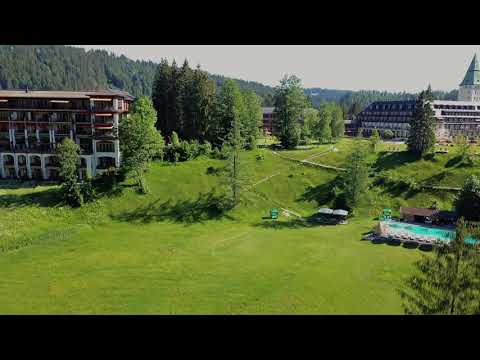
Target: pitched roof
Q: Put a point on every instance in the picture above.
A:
(472, 77)
(63, 94)
(443, 214)
(418, 211)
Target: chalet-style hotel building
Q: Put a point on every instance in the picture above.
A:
(32, 123)
(453, 117)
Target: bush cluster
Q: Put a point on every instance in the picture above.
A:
(186, 150)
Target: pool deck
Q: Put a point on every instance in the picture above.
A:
(405, 236)
(436, 227)
(402, 240)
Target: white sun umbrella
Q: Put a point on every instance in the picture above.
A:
(340, 212)
(325, 211)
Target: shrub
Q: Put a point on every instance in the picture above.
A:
(88, 191)
(388, 134)
(205, 148)
(224, 151)
(212, 170)
(251, 143)
(215, 154)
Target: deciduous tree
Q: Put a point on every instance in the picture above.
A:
(467, 203)
(374, 140)
(140, 141)
(290, 101)
(68, 154)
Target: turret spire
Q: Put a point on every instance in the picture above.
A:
(472, 77)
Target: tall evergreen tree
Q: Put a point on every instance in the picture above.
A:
(421, 137)
(355, 178)
(160, 95)
(236, 175)
(446, 283)
(184, 100)
(202, 101)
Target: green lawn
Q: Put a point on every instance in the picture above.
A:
(168, 253)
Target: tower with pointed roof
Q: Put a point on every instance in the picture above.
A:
(470, 87)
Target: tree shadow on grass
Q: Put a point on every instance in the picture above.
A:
(297, 223)
(47, 198)
(388, 161)
(459, 162)
(208, 206)
(322, 194)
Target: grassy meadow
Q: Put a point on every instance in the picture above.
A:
(172, 252)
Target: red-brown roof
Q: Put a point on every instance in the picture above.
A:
(418, 211)
(64, 94)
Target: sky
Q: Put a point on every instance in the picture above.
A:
(348, 67)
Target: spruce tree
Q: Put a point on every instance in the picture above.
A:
(421, 137)
(447, 282)
(355, 179)
(161, 89)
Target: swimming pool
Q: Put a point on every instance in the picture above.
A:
(439, 233)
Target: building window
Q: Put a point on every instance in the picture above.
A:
(105, 147)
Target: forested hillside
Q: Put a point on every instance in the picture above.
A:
(48, 67)
(69, 68)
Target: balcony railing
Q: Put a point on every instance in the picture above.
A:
(102, 108)
(46, 105)
(86, 149)
(105, 134)
(84, 132)
(103, 120)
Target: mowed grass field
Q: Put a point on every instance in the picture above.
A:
(169, 253)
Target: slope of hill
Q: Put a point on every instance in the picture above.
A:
(168, 253)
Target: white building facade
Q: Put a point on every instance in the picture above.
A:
(460, 117)
(33, 123)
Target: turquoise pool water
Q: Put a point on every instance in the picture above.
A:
(439, 233)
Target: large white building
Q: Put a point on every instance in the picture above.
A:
(33, 123)
(453, 117)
